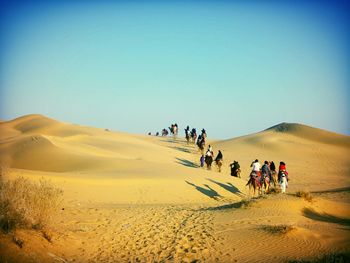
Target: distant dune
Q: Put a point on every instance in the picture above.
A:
(311, 133)
(36, 142)
(312, 155)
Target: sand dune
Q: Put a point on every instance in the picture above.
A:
(145, 199)
(313, 134)
(313, 159)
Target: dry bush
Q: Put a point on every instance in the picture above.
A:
(24, 203)
(47, 235)
(277, 229)
(18, 241)
(246, 203)
(306, 195)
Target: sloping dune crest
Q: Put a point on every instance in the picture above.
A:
(35, 142)
(311, 133)
(313, 156)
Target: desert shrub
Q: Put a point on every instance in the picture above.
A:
(24, 203)
(306, 195)
(277, 229)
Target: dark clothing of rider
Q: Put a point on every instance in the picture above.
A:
(265, 169)
(236, 165)
(234, 168)
(219, 156)
(187, 131)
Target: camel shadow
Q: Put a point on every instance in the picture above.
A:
(312, 214)
(208, 191)
(181, 149)
(228, 187)
(336, 190)
(170, 141)
(187, 163)
(237, 205)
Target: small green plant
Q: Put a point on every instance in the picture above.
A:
(24, 203)
(306, 195)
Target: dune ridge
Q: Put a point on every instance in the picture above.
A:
(311, 133)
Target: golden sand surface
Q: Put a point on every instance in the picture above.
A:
(134, 198)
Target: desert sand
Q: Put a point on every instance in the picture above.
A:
(135, 198)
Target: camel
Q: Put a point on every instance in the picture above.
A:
(208, 160)
(254, 183)
(219, 164)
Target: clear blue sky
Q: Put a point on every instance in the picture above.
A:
(232, 67)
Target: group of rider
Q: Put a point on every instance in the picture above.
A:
(210, 155)
(267, 172)
(174, 129)
(192, 134)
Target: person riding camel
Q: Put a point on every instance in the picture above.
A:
(199, 139)
(255, 168)
(255, 174)
(175, 129)
(265, 170)
(218, 160)
(201, 160)
(193, 132)
(187, 133)
(208, 158)
(265, 174)
(272, 167)
(209, 151)
(219, 157)
(283, 176)
(282, 170)
(235, 169)
(165, 132)
(204, 133)
(171, 129)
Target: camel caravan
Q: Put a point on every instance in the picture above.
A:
(261, 178)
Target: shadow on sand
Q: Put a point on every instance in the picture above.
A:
(181, 149)
(245, 203)
(187, 163)
(336, 190)
(170, 141)
(208, 191)
(229, 187)
(312, 214)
